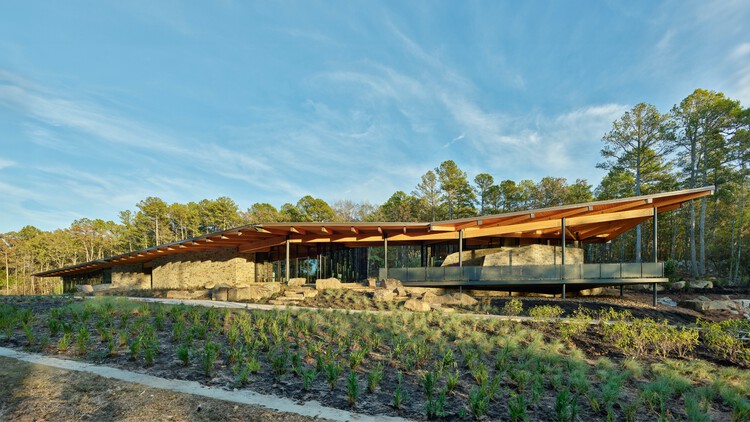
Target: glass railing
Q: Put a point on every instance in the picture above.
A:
(528, 272)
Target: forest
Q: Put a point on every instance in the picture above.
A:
(703, 140)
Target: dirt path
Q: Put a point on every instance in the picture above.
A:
(37, 388)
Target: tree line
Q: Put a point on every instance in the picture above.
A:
(703, 140)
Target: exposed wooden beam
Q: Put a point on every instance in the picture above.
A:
(354, 230)
(514, 220)
(442, 228)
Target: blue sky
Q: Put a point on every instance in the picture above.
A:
(105, 103)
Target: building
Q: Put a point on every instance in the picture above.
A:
(477, 251)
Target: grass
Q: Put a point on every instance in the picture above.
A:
(422, 365)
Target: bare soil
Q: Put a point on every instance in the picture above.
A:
(31, 392)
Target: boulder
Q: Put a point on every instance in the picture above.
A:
(220, 294)
(85, 288)
(327, 283)
(392, 284)
(591, 292)
(709, 305)
(308, 292)
(701, 284)
(382, 295)
(417, 305)
(254, 292)
(666, 301)
(102, 287)
(297, 282)
(458, 299)
(461, 299)
(677, 285)
(401, 291)
(372, 283)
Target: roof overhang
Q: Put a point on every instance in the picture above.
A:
(592, 222)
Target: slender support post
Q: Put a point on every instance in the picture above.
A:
(460, 256)
(286, 269)
(562, 263)
(655, 236)
(461, 248)
(653, 286)
(621, 294)
(385, 254)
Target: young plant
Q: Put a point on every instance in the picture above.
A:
(308, 377)
(435, 406)
(82, 340)
(208, 357)
(399, 394)
(374, 377)
(333, 372)
(183, 354)
(352, 388)
(64, 343)
(478, 402)
(517, 407)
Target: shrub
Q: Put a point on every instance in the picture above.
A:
(545, 311)
(512, 307)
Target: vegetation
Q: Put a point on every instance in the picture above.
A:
(705, 139)
(415, 365)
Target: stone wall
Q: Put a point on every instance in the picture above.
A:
(131, 275)
(522, 255)
(195, 270)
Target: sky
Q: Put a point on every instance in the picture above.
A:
(104, 103)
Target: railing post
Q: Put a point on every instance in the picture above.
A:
(562, 263)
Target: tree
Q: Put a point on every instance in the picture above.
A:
(260, 213)
(152, 220)
(429, 190)
(314, 209)
(400, 207)
(510, 196)
(483, 182)
(637, 144)
(703, 120)
(579, 192)
(457, 193)
(219, 214)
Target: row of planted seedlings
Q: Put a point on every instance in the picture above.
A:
(415, 365)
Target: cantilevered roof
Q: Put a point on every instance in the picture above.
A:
(590, 222)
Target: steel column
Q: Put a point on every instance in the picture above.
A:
(286, 269)
(385, 254)
(562, 265)
(460, 248)
(655, 235)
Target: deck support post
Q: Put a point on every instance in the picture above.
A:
(621, 293)
(655, 249)
(461, 248)
(655, 236)
(385, 254)
(562, 261)
(286, 269)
